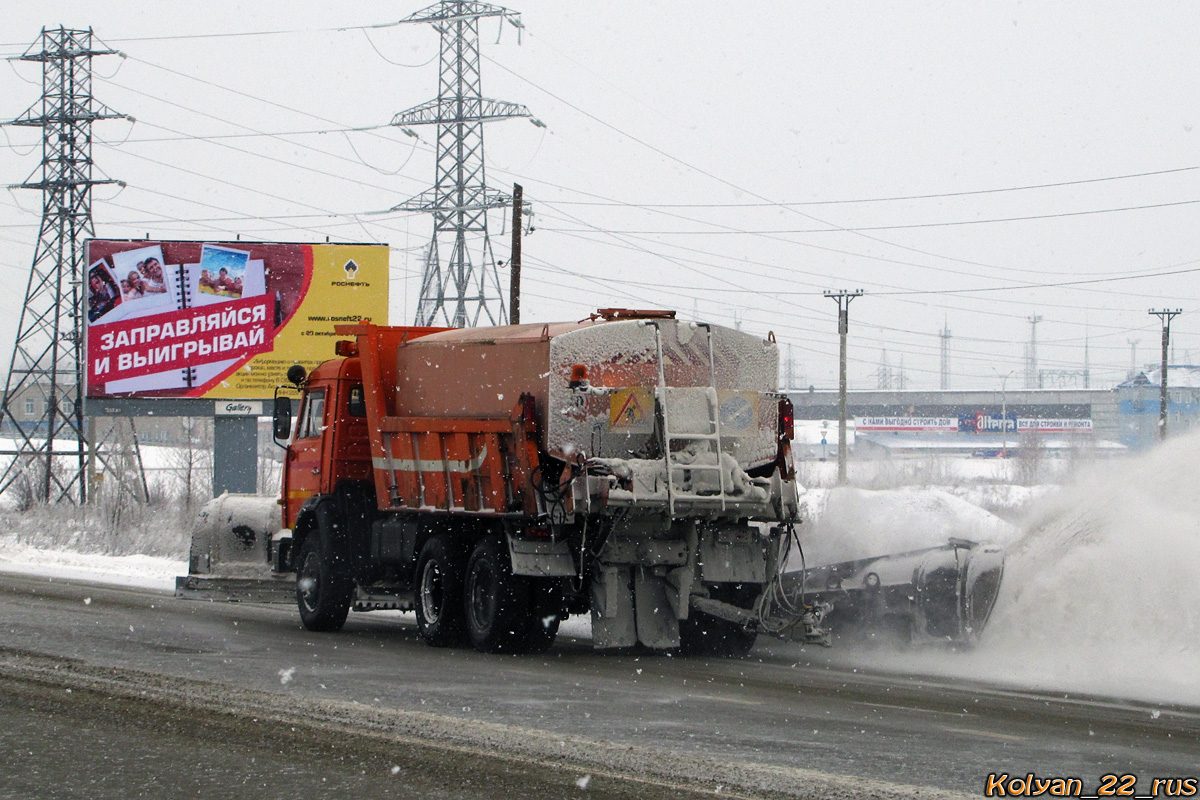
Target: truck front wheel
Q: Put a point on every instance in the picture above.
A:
(440, 593)
(499, 613)
(323, 596)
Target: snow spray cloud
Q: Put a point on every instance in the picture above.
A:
(1102, 591)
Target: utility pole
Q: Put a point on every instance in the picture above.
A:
(460, 291)
(514, 261)
(1165, 316)
(1087, 361)
(1003, 410)
(1031, 369)
(47, 360)
(842, 298)
(945, 336)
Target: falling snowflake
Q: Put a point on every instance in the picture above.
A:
(285, 675)
(583, 782)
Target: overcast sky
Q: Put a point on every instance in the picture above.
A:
(967, 165)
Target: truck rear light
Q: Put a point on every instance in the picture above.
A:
(579, 376)
(538, 532)
(787, 420)
(346, 348)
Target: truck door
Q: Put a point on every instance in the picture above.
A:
(304, 454)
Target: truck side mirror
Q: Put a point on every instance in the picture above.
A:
(296, 374)
(281, 417)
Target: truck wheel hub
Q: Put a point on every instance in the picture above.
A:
(432, 593)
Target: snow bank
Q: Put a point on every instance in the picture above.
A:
(146, 572)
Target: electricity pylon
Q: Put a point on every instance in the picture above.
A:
(46, 367)
(460, 290)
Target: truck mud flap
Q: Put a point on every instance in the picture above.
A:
(541, 558)
(613, 621)
(657, 626)
(632, 605)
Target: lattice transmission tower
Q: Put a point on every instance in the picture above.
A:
(460, 287)
(45, 371)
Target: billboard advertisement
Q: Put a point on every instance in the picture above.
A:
(220, 320)
(865, 424)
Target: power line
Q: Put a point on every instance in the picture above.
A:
(730, 184)
(899, 198)
(907, 226)
(257, 133)
(891, 291)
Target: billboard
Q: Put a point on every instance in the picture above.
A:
(974, 422)
(220, 320)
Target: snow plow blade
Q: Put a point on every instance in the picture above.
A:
(237, 552)
(936, 595)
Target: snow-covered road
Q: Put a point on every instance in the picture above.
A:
(776, 719)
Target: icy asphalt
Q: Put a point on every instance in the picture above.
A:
(237, 700)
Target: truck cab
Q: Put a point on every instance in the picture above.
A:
(329, 443)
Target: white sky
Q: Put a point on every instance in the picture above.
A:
(738, 108)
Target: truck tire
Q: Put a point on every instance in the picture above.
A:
(497, 604)
(439, 586)
(322, 594)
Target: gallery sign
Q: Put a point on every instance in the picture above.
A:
(220, 320)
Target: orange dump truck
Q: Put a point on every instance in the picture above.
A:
(495, 480)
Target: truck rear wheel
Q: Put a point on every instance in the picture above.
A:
(440, 593)
(322, 595)
(499, 612)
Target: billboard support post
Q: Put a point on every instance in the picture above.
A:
(235, 455)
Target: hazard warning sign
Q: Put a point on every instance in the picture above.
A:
(631, 410)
